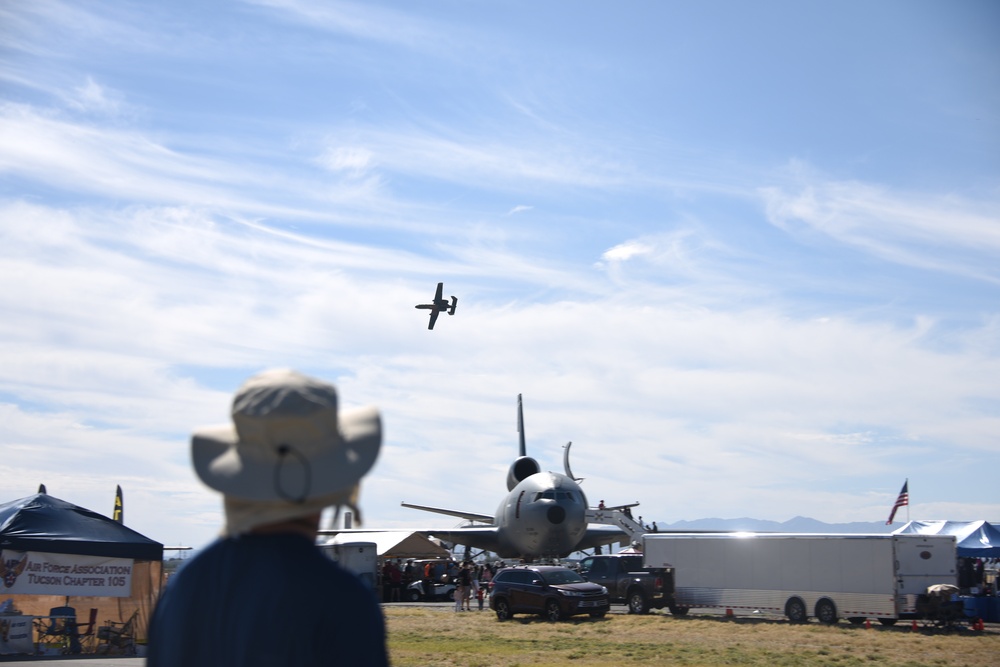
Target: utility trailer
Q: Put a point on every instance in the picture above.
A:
(799, 575)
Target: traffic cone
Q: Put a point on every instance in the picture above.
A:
(729, 612)
(868, 624)
(914, 626)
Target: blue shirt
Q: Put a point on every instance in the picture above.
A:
(265, 600)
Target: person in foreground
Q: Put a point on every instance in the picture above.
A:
(263, 593)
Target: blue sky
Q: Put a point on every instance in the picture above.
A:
(745, 256)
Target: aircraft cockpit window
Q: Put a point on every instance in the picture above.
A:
(555, 495)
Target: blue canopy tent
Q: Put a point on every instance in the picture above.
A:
(43, 538)
(44, 523)
(976, 539)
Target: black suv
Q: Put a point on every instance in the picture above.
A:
(551, 590)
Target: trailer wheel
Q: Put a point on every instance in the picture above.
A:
(637, 603)
(795, 610)
(826, 611)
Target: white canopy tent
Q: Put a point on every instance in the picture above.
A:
(394, 544)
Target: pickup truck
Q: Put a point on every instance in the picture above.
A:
(629, 582)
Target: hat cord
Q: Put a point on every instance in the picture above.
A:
(283, 451)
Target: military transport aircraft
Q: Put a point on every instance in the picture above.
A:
(544, 514)
(439, 305)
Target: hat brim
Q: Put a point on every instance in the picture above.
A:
(218, 462)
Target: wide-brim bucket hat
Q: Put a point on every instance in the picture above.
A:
(288, 441)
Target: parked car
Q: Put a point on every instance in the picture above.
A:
(553, 591)
(442, 591)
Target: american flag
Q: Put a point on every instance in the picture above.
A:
(902, 499)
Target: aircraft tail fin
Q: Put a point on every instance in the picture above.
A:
(41, 489)
(569, 473)
(520, 427)
(119, 512)
(454, 305)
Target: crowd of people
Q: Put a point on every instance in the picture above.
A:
(470, 579)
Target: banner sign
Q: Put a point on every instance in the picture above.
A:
(40, 573)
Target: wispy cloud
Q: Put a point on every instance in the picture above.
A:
(937, 232)
(626, 251)
(361, 20)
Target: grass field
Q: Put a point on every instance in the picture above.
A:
(432, 637)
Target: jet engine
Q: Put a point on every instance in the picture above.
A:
(522, 468)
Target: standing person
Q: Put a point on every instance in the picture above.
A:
(461, 580)
(263, 593)
(428, 582)
(408, 575)
(469, 577)
(396, 581)
(475, 574)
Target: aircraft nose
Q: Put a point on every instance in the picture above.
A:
(556, 514)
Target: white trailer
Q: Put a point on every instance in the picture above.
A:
(798, 575)
(361, 558)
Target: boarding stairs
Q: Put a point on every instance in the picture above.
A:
(613, 516)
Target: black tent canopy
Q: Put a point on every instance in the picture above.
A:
(47, 524)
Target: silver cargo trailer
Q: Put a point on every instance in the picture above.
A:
(799, 575)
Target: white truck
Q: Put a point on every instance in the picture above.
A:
(798, 575)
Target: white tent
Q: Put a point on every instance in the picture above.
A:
(395, 544)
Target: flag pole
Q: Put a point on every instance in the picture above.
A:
(907, 500)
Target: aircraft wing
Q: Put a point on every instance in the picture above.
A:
(477, 537)
(488, 539)
(468, 516)
(440, 290)
(434, 317)
(599, 534)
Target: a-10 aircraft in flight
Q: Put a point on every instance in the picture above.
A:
(543, 515)
(439, 305)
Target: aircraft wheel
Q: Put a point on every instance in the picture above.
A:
(795, 610)
(502, 608)
(637, 603)
(552, 611)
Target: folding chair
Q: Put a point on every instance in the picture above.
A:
(117, 637)
(86, 631)
(60, 630)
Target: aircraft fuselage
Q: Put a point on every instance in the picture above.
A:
(544, 514)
